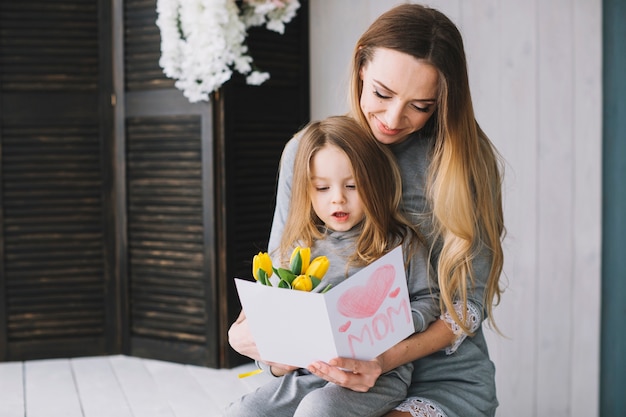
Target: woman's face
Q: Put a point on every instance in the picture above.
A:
(399, 94)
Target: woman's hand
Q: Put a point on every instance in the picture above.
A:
(353, 374)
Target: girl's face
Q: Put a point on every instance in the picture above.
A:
(399, 94)
(333, 190)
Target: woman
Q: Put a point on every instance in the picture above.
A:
(410, 87)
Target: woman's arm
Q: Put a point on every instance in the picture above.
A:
(283, 193)
(362, 375)
(438, 336)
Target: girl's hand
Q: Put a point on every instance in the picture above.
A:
(278, 369)
(353, 374)
(241, 339)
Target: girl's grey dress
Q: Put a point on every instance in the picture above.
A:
(301, 393)
(457, 382)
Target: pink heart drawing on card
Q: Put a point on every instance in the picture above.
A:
(365, 300)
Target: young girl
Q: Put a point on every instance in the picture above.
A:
(409, 87)
(345, 202)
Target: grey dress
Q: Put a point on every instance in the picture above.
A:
(302, 394)
(459, 381)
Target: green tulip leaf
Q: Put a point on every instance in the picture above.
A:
(286, 274)
(296, 264)
(316, 281)
(283, 284)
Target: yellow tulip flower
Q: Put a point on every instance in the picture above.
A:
(305, 257)
(302, 283)
(262, 262)
(318, 267)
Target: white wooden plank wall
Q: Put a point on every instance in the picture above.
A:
(555, 222)
(119, 386)
(535, 73)
(587, 205)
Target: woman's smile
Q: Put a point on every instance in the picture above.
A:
(399, 94)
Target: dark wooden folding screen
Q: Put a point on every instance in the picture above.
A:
(56, 296)
(125, 216)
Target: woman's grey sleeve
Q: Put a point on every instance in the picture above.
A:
(423, 289)
(475, 312)
(283, 193)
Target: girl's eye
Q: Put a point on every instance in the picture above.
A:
(351, 187)
(321, 188)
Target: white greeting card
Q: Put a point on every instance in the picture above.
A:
(360, 318)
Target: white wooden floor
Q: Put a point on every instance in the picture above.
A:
(118, 386)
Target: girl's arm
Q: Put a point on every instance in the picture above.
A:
(362, 375)
(241, 340)
(239, 335)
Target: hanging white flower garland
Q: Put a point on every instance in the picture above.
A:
(202, 41)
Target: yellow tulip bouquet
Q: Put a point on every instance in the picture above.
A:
(303, 274)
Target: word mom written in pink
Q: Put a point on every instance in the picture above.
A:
(365, 303)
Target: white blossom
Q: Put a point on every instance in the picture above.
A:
(257, 78)
(202, 41)
(274, 13)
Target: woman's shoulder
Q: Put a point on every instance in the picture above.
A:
(291, 148)
(292, 144)
(416, 142)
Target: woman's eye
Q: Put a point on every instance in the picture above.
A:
(422, 109)
(427, 108)
(379, 95)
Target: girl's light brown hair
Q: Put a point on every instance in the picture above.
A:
(464, 185)
(377, 180)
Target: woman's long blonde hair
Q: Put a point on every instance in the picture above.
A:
(464, 182)
(377, 180)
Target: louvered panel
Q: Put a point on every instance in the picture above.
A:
(258, 147)
(165, 230)
(53, 243)
(142, 47)
(49, 46)
(258, 131)
(284, 62)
